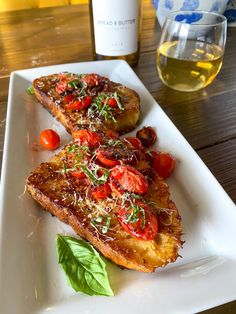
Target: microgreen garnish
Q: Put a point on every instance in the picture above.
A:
(81, 92)
(102, 223)
(107, 112)
(72, 148)
(73, 84)
(115, 143)
(75, 148)
(149, 152)
(99, 219)
(93, 174)
(134, 216)
(107, 225)
(30, 90)
(129, 197)
(78, 151)
(67, 169)
(134, 211)
(100, 108)
(136, 196)
(117, 98)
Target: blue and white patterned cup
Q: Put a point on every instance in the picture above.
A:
(165, 7)
(230, 12)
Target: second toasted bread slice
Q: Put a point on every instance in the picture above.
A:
(111, 196)
(88, 101)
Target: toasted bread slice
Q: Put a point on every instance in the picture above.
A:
(68, 197)
(58, 93)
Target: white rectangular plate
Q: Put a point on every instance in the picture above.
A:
(31, 281)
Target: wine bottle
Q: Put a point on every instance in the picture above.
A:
(116, 29)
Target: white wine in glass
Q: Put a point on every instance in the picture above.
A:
(190, 56)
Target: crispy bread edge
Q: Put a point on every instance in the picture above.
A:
(64, 215)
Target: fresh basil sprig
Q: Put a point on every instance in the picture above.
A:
(83, 266)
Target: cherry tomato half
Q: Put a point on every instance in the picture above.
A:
(61, 86)
(112, 156)
(112, 134)
(112, 102)
(130, 179)
(106, 157)
(78, 174)
(139, 221)
(49, 139)
(83, 103)
(91, 79)
(134, 142)
(100, 192)
(86, 137)
(116, 188)
(68, 98)
(147, 136)
(150, 155)
(164, 164)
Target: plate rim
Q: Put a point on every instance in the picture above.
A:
(7, 135)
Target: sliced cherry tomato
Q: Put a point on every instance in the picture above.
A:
(83, 103)
(78, 174)
(130, 179)
(91, 79)
(134, 141)
(139, 221)
(147, 136)
(61, 86)
(149, 174)
(112, 156)
(87, 100)
(164, 165)
(112, 102)
(101, 192)
(150, 155)
(49, 139)
(86, 137)
(116, 188)
(107, 158)
(68, 98)
(112, 134)
(75, 105)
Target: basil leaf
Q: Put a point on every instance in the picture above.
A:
(30, 90)
(83, 266)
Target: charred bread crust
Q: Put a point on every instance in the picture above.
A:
(50, 187)
(124, 121)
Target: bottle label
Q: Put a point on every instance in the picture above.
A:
(115, 27)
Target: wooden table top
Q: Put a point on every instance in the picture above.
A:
(207, 118)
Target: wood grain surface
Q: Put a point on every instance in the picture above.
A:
(207, 118)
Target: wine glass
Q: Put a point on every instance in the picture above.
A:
(191, 49)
